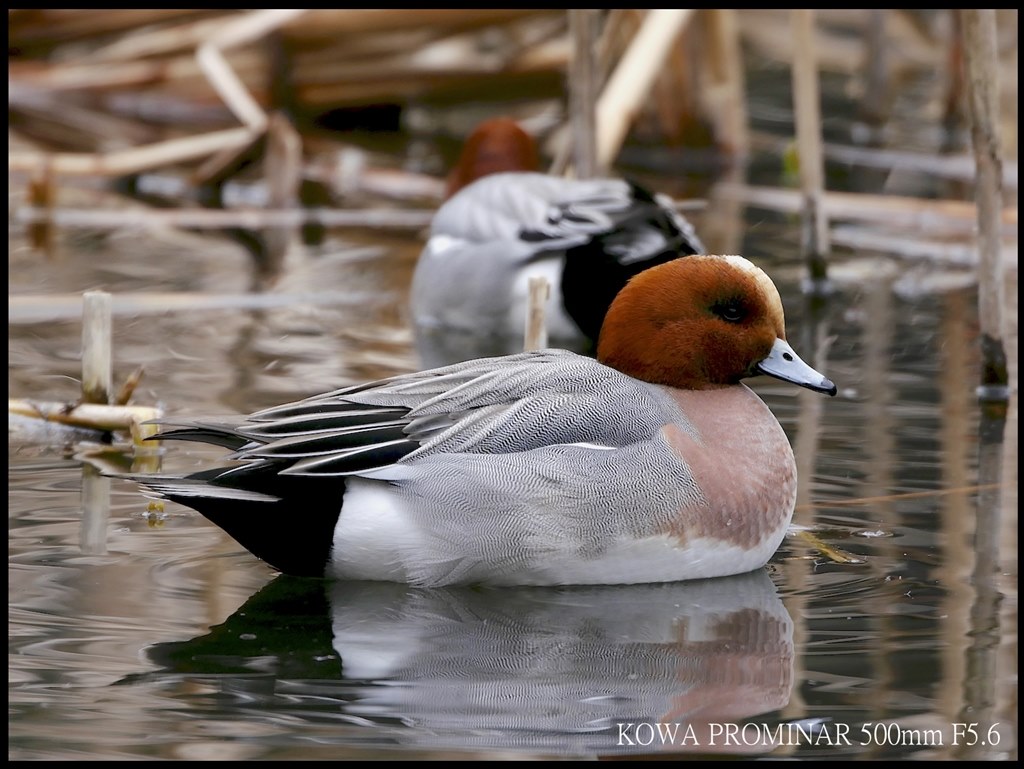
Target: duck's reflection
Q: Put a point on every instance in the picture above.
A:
(552, 669)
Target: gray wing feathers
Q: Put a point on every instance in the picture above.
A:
(490, 406)
(501, 206)
(524, 402)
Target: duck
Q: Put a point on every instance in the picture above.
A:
(504, 222)
(651, 462)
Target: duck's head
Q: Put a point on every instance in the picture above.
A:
(702, 322)
(496, 145)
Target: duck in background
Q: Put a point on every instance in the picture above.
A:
(652, 463)
(504, 223)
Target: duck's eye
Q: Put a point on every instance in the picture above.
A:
(730, 310)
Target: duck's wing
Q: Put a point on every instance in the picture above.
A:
(549, 213)
(645, 232)
(490, 406)
(539, 211)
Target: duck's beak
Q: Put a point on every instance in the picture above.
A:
(782, 363)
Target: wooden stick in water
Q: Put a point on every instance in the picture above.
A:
(536, 336)
(982, 66)
(91, 415)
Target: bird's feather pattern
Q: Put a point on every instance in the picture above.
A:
(489, 406)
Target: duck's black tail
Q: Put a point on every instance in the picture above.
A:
(287, 521)
(282, 499)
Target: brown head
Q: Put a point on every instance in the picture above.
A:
(701, 322)
(496, 145)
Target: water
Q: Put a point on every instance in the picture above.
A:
(884, 627)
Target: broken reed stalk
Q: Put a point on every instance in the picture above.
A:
(95, 411)
(41, 193)
(834, 554)
(35, 26)
(583, 89)
(875, 100)
(94, 416)
(923, 213)
(129, 161)
(222, 77)
(630, 84)
(536, 333)
(282, 169)
(807, 104)
(937, 247)
(54, 307)
(725, 71)
(207, 218)
(230, 88)
(152, 41)
(982, 70)
(97, 356)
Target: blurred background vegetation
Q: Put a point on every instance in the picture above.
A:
(108, 94)
(268, 124)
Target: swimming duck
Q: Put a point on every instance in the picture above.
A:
(504, 224)
(652, 463)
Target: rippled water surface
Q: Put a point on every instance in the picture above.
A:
(885, 626)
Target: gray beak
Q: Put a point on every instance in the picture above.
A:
(782, 363)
